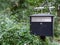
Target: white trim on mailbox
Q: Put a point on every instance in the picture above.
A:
(41, 19)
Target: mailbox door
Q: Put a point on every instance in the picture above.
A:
(42, 28)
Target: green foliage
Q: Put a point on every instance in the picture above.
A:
(15, 25)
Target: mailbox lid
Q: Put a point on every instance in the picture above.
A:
(43, 17)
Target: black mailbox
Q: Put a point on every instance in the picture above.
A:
(41, 24)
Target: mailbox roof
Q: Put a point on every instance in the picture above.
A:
(42, 14)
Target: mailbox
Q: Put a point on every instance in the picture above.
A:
(41, 24)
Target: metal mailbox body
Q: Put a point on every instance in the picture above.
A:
(41, 24)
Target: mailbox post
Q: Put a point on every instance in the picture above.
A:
(41, 24)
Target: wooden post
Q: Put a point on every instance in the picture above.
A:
(43, 38)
